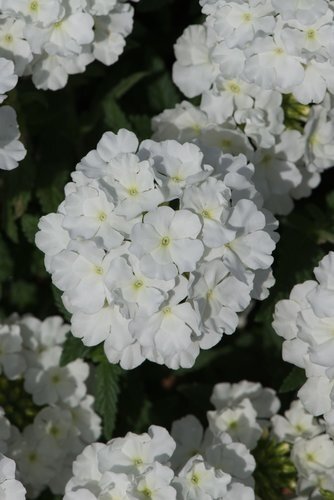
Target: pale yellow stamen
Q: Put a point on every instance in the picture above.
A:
(34, 6)
(8, 38)
(165, 241)
(311, 34)
(133, 191)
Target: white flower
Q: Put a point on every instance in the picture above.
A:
(295, 423)
(263, 399)
(176, 166)
(245, 242)
(183, 123)
(304, 12)
(11, 360)
(188, 435)
(166, 242)
(11, 149)
(239, 422)
(64, 37)
(226, 97)
(276, 173)
(198, 481)
(124, 258)
(134, 452)
(100, 7)
(134, 286)
(8, 78)
(42, 340)
(57, 383)
(155, 483)
(274, 64)
(195, 69)
(318, 130)
(51, 71)
(110, 33)
(92, 217)
(239, 23)
(10, 488)
(314, 455)
(43, 12)
(169, 334)
(306, 321)
(218, 296)
(232, 457)
(5, 431)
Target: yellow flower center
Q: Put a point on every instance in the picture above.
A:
(138, 284)
(58, 24)
(299, 428)
(137, 461)
(247, 17)
(233, 424)
(102, 216)
(225, 143)
(177, 178)
(133, 191)
(314, 139)
(146, 492)
(311, 34)
(278, 51)
(167, 310)
(195, 479)
(8, 38)
(234, 87)
(34, 6)
(165, 241)
(55, 379)
(98, 270)
(206, 214)
(54, 431)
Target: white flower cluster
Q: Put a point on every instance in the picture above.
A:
(273, 44)
(10, 488)
(191, 464)
(241, 60)
(45, 449)
(154, 281)
(312, 450)
(279, 154)
(51, 39)
(306, 322)
(11, 149)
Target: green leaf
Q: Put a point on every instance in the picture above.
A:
(114, 116)
(106, 395)
(59, 304)
(163, 93)
(326, 494)
(141, 125)
(293, 381)
(152, 5)
(29, 226)
(330, 200)
(73, 349)
(23, 294)
(7, 264)
(126, 84)
(204, 359)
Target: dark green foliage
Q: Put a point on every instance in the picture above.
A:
(59, 128)
(106, 395)
(293, 381)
